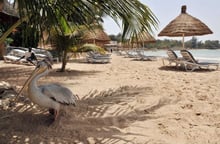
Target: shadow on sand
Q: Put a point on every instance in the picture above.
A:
(179, 69)
(99, 117)
(16, 76)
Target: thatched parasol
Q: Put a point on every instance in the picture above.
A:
(185, 25)
(7, 18)
(96, 36)
(8, 14)
(145, 37)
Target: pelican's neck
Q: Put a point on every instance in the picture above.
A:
(33, 83)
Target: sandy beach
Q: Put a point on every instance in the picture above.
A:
(122, 102)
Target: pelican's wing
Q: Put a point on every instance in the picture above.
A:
(59, 93)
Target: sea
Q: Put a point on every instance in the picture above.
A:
(211, 55)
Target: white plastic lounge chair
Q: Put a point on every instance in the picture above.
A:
(143, 57)
(173, 58)
(121, 53)
(131, 54)
(98, 58)
(98, 55)
(191, 63)
(13, 55)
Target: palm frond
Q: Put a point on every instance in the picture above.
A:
(44, 14)
(91, 47)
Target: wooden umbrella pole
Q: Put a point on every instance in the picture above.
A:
(183, 41)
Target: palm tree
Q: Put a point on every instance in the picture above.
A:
(73, 42)
(63, 43)
(47, 14)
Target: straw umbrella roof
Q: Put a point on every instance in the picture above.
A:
(8, 13)
(141, 39)
(185, 25)
(144, 37)
(5, 17)
(96, 34)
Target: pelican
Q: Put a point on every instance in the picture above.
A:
(50, 96)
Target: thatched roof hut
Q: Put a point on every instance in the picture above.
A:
(8, 16)
(96, 36)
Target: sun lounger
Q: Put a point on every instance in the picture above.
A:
(173, 58)
(98, 55)
(131, 54)
(143, 57)
(192, 64)
(14, 60)
(121, 53)
(10, 58)
(98, 58)
(13, 56)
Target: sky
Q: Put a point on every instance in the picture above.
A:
(207, 11)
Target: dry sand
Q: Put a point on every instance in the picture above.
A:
(123, 102)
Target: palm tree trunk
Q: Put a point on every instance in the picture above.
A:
(64, 61)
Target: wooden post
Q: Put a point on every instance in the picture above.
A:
(2, 50)
(183, 41)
